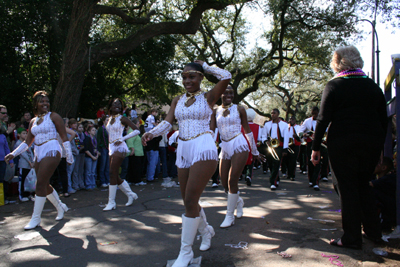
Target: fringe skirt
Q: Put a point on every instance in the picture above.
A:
(49, 149)
(123, 148)
(236, 145)
(201, 148)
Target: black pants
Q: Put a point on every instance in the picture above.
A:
(353, 163)
(60, 176)
(324, 162)
(135, 168)
(292, 161)
(313, 171)
(172, 169)
(303, 158)
(263, 149)
(274, 165)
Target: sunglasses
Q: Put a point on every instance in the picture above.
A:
(4, 113)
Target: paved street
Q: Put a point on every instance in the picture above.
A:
(148, 232)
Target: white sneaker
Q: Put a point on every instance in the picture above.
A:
(277, 183)
(104, 185)
(142, 183)
(23, 199)
(304, 172)
(254, 168)
(325, 179)
(316, 187)
(214, 185)
(273, 187)
(265, 172)
(284, 175)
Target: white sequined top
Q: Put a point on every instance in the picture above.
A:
(230, 125)
(45, 131)
(115, 130)
(195, 119)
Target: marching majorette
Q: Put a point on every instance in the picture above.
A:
(117, 151)
(43, 131)
(197, 154)
(230, 118)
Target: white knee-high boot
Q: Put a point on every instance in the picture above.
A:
(61, 207)
(206, 231)
(37, 212)
(230, 217)
(112, 191)
(189, 230)
(239, 207)
(128, 192)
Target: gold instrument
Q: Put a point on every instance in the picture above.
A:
(290, 141)
(325, 136)
(274, 143)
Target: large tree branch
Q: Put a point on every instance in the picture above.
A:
(259, 112)
(110, 10)
(190, 26)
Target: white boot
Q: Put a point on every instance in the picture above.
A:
(206, 231)
(230, 218)
(189, 230)
(112, 191)
(239, 207)
(37, 212)
(128, 192)
(61, 207)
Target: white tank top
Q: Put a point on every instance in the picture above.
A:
(230, 125)
(195, 119)
(45, 131)
(115, 130)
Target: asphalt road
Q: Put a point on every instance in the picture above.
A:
(148, 232)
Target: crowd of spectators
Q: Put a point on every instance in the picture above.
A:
(89, 142)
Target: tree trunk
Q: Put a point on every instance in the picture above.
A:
(75, 59)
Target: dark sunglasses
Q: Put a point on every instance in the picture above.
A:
(4, 113)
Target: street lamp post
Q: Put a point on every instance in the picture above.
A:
(374, 35)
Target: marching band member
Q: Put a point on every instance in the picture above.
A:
(44, 130)
(307, 130)
(230, 118)
(275, 131)
(295, 141)
(197, 154)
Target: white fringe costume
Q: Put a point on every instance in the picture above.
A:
(46, 143)
(195, 136)
(232, 139)
(115, 132)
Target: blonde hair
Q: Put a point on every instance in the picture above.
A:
(345, 58)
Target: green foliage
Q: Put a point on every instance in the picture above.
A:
(31, 43)
(299, 40)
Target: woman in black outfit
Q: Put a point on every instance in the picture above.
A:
(356, 108)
